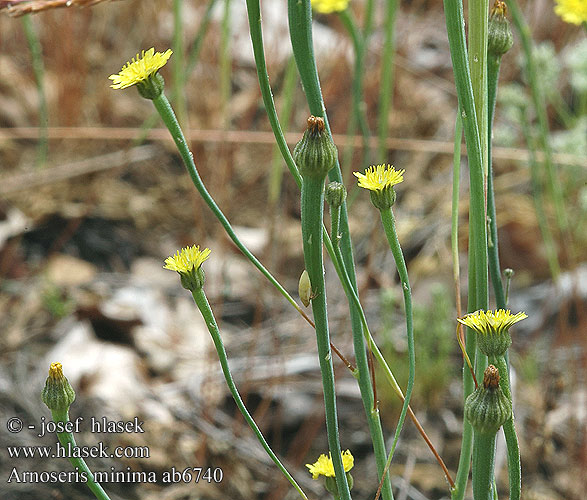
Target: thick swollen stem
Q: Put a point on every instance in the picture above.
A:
(312, 217)
(483, 465)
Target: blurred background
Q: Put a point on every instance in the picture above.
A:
(92, 204)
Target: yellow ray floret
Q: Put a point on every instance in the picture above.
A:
(140, 68)
(186, 260)
(377, 178)
(328, 6)
(572, 11)
(324, 467)
(492, 321)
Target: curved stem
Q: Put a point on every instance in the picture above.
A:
(300, 23)
(513, 448)
(68, 441)
(509, 430)
(312, 216)
(164, 108)
(493, 63)
(204, 307)
(388, 221)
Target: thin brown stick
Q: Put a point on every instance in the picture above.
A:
(258, 137)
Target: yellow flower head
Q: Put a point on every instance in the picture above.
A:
(492, 327)
(572, 11)
(140, 68)
(495, 322)
(56, 371)
(323, 466)
(187, 260)
(328, 6)
(377, 178)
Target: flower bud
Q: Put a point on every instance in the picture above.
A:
(305, 288)
(58, 393)
(335, 194)
(488, 408)
(499, 36)
(315, 154)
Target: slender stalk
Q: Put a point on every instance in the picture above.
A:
(478, 280)
(353, 299)
(204, 307)
(300, 23)
(39, 71)
(388, 221)
(165, 110)
(478, 26)
(511, 437)
(312, 220)
(387, 76)
(68, 441)
(553, 186)
(454, 231)
(483, 447)
(493, 64)
(513, 448)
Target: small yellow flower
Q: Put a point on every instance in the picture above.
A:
(328, 6)
(140, 68)
(572, 11)
(492, 322)
(187, 260)
(377, 178)
(323, 466)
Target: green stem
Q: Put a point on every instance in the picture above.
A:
(300, 23)
(164, 108)
(312, 206)
(509, 430)
(39, 71)
(478, 27)
(254, 12)
(387, 75)
(553, 186)
(68, 441)
(478, 279)
(454, 231)
(513, 448)
(204, 307)
(493, 63)
(388, 221)
(483, 465)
